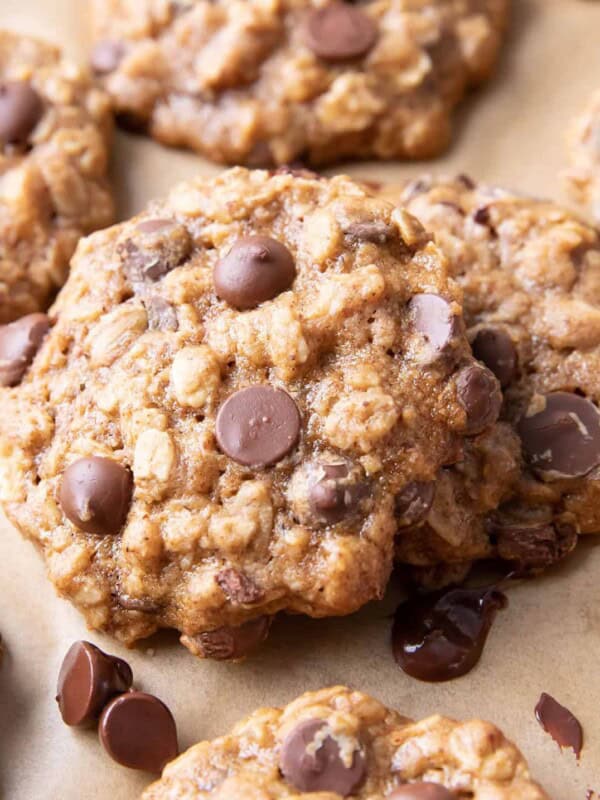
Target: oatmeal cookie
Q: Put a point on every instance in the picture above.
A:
(584, 141)
(530, 272)
(235, 386)
(262, 82)
(54, 134)
(338, 743)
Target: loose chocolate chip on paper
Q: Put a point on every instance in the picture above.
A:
(95, 495)
(106, 56)
(229, 643)
(336, 493)
(480, 396)
(238, 587)
(339, 32)
(562, 439)
(88, 679)
(255, 270)
(21, 109)
(312, 762)
(258, 426)
(413, 503)
(423, 790)
(19, 342)
(496, 350)
(138, 731)
(562, 725)
(433, 318)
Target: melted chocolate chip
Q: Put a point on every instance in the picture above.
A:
(230, 643)
(238, 587)
(336, 493)
(422, 790)
(562, 440)
(312, 762)
(255, 270)
(532, 546)
(433, 318)
(19, 342)
(88, 679)
(413, 503)
(21, 109)
(162, 316)
(106, 56)
(480, 396)
(496, 350)
(138, 731)
(560, 723)
(339, 32)
(441, 636)
(377, 232)
(95, 495)
(258, 426)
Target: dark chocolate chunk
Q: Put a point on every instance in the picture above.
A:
(258, 426)
(255, 270)
(335, 492)
(312, 762)
(496, 350)
(19, 342)
(238, 587)
(480, 396)
(339, 32)
(88, 679)
(230, 643)
(414, 502)
(433, 318)
(562, 725)
(21, 109)
(95, 495)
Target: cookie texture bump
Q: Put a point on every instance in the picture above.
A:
(55, 128)
(530, 272)
(263, 82)
(338, 743)
(234, 388)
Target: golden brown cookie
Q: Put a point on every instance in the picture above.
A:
(338, 743)
(235, 387)
(530, 272)
(55, 128)
(262, 82)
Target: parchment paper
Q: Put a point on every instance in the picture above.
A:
(547, 640)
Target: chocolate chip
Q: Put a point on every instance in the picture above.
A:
(562, 439)
(138, 731)
(562, 725)
(433, 318)
(229, 643)
(88, 679)
(256, 269)
(258, 426)
(162, 245)
(19, 342)
(377, 232)
(480, 396)
(482, 215)
(239, 588)
(335, 492)
(423, 790)
(339, 32)
(106, 56)
(532, 546)
(412, 504)
(495, 348)
(312, 761)
(162, 316)
(21, 109)
(466, 181)
(95, 495)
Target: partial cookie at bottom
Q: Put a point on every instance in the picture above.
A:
(338, 743)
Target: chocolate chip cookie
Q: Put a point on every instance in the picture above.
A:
(54, 133)
(263, 82)
(230, 391)
(530, 272)
(338, 743)
(584, 174)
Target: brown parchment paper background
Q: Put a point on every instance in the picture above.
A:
(547, 640)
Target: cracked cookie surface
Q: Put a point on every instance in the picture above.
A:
(530, 273)
(55, 128)
(338, 743)
(235, 386)
(261, 82)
